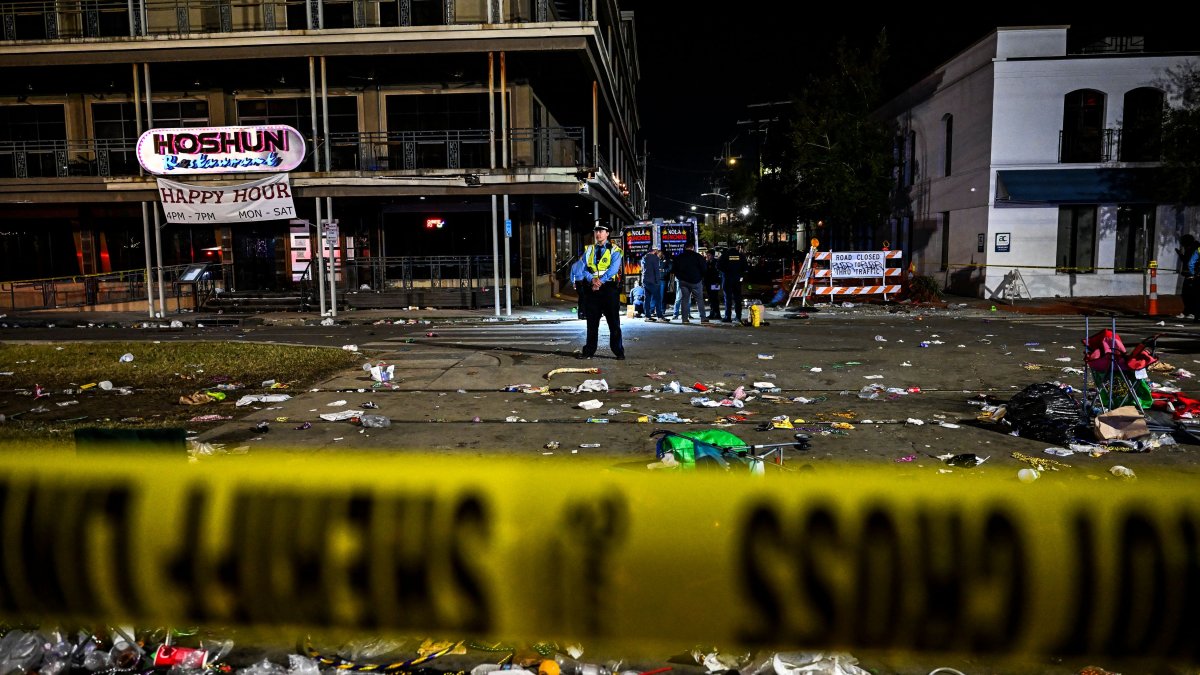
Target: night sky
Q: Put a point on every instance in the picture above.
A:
(702, 63)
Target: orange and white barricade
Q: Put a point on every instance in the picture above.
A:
(853, 273)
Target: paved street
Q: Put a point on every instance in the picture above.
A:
(450, 376)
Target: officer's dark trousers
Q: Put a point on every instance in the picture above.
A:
(733, 300)
(605, 302)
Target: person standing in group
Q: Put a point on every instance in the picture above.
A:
(1189, 255)
(652, 280)
(733, 268)
(689, 270)
(577, 269)
(712, 285)
(601, 297)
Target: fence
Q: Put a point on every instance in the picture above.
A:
(112, 288)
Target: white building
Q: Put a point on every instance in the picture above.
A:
(1031, 156)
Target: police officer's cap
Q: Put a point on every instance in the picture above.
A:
(601, 226)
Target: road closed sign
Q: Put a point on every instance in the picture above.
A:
(265, 199)
(858, 264)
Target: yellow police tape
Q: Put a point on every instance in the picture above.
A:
(904, 558)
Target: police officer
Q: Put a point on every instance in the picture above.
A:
(577, 268)
(601, 292)
(733, 268)
(712, 284)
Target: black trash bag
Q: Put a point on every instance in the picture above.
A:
(1044, 412)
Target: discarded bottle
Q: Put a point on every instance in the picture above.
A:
(375, 421)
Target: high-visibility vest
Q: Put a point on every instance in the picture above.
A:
(599, 266)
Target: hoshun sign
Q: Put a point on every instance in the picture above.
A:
(213, 150)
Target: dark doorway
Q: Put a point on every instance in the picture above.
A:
(255, 258)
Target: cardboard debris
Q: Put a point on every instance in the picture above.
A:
(1121, 424)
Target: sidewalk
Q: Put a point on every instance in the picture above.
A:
(556, 309)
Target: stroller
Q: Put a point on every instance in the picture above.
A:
(719, 449)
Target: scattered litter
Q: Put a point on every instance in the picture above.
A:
(966, 460)
(1028, 475)
(339, 416)
(552, 445)
(556, 371)
(350, 348)
(1039, 463)
(592, 385)
(590, 404)
(589, 445)
(814, 370)
(1122, 472)
(914, 421)
(304, 426)
(873, 377)
(211, 418)
(906, 364)
(126, 358)
(259, 398)
(328, 321)
(906, 458)
(383, 372)
(880, 338)
(336, 404)
(766, 357)
(375, 421)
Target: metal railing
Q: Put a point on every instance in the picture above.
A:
(349, 151)
(1093, 147)
(406, 150)
(54, 19)
(125, 286)
(406, 273)
(61, 158)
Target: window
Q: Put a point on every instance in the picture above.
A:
(948, 123)
(114, 126)
(1135, 233)
(180, 114)
(1083, 133)
(945, 240)
(296, 113)
(1076, 239)
(437, 112)
(1141, 132)
(432, 123)
(28, 137)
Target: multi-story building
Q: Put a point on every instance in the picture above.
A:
(1030, 160)
(426, 121)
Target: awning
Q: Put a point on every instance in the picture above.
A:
(1077, 186)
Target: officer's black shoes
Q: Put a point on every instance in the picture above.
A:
(620, 357)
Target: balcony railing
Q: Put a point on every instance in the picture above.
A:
(55, 19)
(62, 159)
(350, 151)
(1087, 147)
